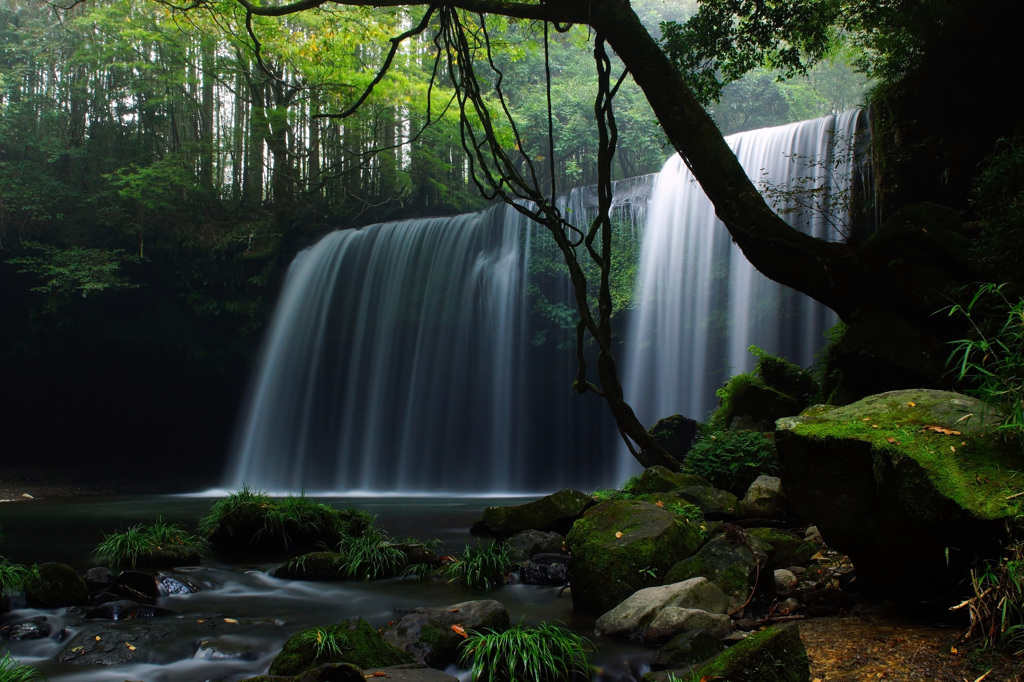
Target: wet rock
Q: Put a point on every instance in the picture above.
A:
(673, 620)
(765, 498)
(688, 648)
(133, 641)
(99, 579)
(525, 544)
(124, 608)
(139, 583)
(426, 633)
(622, 546)
(227, 648)
(54, 585)
(556, 513)
(33, 628)
(633, 615)
(176, 584)
(545, 569)
(784, 549)
(360, 645)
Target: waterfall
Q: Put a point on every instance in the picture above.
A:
(436, 355)
(701, 304)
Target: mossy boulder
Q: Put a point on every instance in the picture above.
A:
(913, 485)
(775, 654)
(555, 513)
(784, 549)
(712, 502)
(426, 634)
(360, 645)
(53, 585)
(753, 401)
(622, 546)
(659, 479)
(730, 564)
(676, 434)
(170, 557)
(313, 566)
(687, 648)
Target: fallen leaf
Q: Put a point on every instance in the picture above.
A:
(453, 610)
(376, 674)
(97, 638)
(866, 419)
(875, 426)
(459, 630)
(890, 440)
(618, 533)
(942, 429)
(952, 448)
(659, 503)
(230, 620)
(953, 650)
(130, 647)
(200, 620)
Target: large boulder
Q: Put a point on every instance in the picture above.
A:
(765, 498)
(360, 645)
(426, 634)
(53, 585)
(555, 513)
(676, 434)
(525, 544)
(632, 617)
(913, 485)
(731, 561)
(773, 655)
(622, 546)
(688, 648)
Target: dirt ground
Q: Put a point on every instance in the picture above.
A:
(884, 646)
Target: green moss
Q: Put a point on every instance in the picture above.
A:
(363, 647)
(972, 467)
(772, 655)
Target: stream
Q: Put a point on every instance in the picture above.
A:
(237, 623)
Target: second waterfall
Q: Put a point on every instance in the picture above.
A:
(418, 356)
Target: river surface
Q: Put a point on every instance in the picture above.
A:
(248, 614)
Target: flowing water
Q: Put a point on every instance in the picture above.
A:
(267, 610)
(413, 356)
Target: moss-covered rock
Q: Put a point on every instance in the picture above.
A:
(555, 513)
(621, 546)
(658, 479)
(313, 566)
(360, 646)
(729, 564)
(712, 502)
(912, 485)
(776, 388)
(688, 648)
(52, 585)
(427, 635)
(784, 549)
(775, 654)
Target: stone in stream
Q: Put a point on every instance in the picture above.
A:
(427, 634)
(33, 628)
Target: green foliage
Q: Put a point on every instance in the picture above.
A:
(992, 359)
(371, 555)
(998, 197)
(328, 643)
(623, 493)
(12, 577)
(543, 653)
(727, 38)
(481, 567)
(996, 608)
(74, 269)
(125, 548)
(12, 671)
(282, 517)
(731, 460)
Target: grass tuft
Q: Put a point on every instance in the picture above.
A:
(371, 555)
(481, 567)
(543, 653)
(12, 671)
(126, 547)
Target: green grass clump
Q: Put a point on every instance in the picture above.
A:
(731, 460)
(481, 567)
(127, 547)
(250, 517)
(12, 579)
(371, 555)
(623, 493)
(12, 671)
(543, 653)
(328, 643)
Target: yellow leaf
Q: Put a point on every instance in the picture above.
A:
(97, 638)
(659, 503)
(130, 647)
(230, 620)
(953, 650)
(911, 404)
(618, 534)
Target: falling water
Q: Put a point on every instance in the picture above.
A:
(701, 304)
(411, 356)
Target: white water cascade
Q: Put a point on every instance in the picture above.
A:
(701, 304)
(410, 356)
